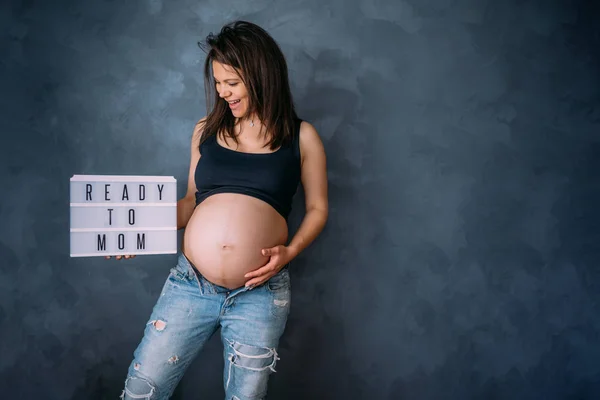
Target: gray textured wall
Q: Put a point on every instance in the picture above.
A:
(461, 256)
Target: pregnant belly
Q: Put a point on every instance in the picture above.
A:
(225, 236)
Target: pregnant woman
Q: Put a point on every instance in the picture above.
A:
(248, 156)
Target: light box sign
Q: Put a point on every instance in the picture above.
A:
(123, 215)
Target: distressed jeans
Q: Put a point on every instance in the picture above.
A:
(188, 312)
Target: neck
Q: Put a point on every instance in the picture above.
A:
(249, 120)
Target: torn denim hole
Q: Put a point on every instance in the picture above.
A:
(280, 303)
(173, 360)
(252, 358)
(137, 388)
(158, 324)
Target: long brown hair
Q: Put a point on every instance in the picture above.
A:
(250, 49)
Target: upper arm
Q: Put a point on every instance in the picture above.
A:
(314, 168)
(194, 157)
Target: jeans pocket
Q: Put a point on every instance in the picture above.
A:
(279, 282)
(279, 288)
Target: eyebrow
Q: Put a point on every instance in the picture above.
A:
(226, 80)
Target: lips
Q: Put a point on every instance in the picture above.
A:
(234, 104)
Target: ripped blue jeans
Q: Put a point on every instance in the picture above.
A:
(188, 312)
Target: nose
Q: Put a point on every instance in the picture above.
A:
(224, 93)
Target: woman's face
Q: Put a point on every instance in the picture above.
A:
(231, 88)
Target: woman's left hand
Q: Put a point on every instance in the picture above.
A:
(280, 256)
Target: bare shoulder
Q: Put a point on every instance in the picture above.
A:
(201, 122)
(310, 141)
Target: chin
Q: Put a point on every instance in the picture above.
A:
(238, 113)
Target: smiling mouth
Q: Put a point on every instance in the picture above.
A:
(233, 102)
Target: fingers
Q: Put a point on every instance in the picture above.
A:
(258, 272)
(259, 280)
(256, 282)
(261, 275)
(119, 257)
(270, 252)
(269, 267)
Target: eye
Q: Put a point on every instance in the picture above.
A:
(234, 84)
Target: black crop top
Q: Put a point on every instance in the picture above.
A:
(272, 177)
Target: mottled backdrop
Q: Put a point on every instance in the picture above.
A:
(461, 258)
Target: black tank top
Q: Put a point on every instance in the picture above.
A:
(271, 177)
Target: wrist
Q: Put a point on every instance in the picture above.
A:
(294, 250)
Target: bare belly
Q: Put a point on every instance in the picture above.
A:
(225, 236)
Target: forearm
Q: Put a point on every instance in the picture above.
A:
(311, 226)
(185, 209)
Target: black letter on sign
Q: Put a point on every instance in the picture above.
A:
(106, 192)
(121, 241)
(110, 210)
(125, 194)
(142, 192)
(160, 188)
(88, 192)
(141, 243)
(131, 216)
(101, 242)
